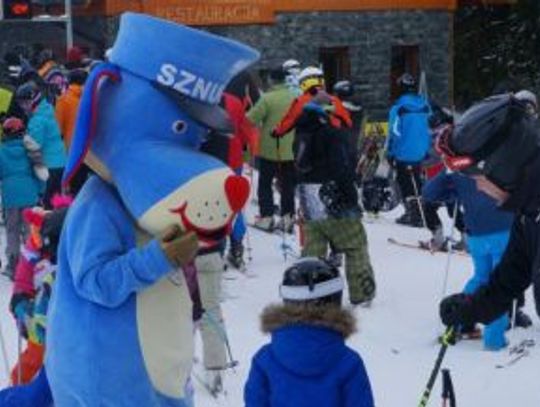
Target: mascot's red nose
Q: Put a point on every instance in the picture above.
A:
(237, 192)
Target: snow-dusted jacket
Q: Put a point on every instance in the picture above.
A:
(409, 138)
(44, 129)
(20, 188)
(307, 363)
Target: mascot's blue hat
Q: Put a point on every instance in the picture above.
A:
(162, 91)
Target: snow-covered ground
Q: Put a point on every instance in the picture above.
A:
(397, 335)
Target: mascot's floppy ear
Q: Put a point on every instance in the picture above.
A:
(87, 118)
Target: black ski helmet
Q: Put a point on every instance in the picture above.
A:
(407, 83)
(312, 281)
(343, 89)
(496, 138)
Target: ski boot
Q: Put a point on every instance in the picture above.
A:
(412, 216)
(265, 224)
(286, 224)
(214, 381)
(235, 257)
(436, 243)
(522, 320)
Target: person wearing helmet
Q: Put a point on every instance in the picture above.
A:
(43, 128)
(345, 91)
(326, 183)
(311, 81)
(409, 141)
(275, 160)
(307, 362)
(54, 79)
(292, 69)
(497, 142)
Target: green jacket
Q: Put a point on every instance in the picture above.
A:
(266, 114)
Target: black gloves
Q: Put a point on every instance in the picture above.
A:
(455, 310)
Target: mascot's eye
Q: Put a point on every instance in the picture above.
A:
(179, 126)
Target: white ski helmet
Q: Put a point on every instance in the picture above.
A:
(527, 97)
(291, 66)
(311, 77)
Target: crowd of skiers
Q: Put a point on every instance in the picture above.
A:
(305, 141)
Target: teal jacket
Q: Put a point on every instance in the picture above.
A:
(20, 188)
(43, 128)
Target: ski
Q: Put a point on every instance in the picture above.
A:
(518, 352)
(422, 247)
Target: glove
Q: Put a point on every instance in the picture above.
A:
(179, 247)
(455, 310)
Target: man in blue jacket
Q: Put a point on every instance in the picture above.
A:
(409, 141)
(307, 363)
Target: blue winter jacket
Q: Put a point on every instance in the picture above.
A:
(307, 365)
(20, 188)
(43, 128)
(409, 138)
(482, 216)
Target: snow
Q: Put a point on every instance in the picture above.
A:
(397, 335)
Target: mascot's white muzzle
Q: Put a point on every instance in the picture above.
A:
(206, 205)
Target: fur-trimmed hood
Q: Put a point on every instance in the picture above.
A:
(335, 318)
(305, 340)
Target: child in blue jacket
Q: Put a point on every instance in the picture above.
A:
(487, 228)
(307, 362)
(20, 188)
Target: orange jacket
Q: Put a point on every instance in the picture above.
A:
(338, 118)
(66, 112)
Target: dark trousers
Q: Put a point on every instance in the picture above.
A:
(285, 173)
(54, 186)
(409, 179)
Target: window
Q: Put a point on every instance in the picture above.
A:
(336, 64)
(405, 58)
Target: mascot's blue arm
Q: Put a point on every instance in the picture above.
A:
(105, 267)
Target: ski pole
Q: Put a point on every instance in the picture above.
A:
(449, 249)
(281, 178)
(448, 393)
(445, 342)
(418, 200)
(4, 352)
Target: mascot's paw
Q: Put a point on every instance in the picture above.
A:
(179, 247)
(35, 394)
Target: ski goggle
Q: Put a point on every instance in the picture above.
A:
(452, 161)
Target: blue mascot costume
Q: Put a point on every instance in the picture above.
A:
(120, 329)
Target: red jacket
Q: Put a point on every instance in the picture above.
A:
(244, 132)
(340, 116)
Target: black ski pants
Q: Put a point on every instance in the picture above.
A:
(285, 173)
(409, 179)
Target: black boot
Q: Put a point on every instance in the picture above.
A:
(235, 257)
(412, 216)
(522, 320)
